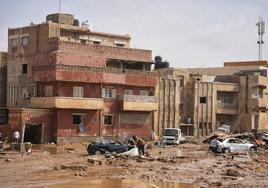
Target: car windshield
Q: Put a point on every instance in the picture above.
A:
(171, 132)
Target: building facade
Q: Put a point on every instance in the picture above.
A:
(66, 83)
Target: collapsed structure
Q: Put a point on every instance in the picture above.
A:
(63, 82)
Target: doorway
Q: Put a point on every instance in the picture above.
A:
(33, 133)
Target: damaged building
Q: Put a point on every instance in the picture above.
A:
(63, 82)
(200, 100)
(66, 83)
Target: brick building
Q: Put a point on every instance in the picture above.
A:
(66, 82)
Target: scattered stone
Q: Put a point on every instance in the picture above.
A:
(74, 167)
(9, 160)
(232, 172)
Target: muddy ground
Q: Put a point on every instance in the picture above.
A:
(187, 163)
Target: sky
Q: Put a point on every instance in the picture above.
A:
(186, 33)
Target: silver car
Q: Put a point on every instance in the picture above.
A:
(236, 145)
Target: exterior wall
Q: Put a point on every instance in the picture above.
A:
(18, 117)
(253, 109)
(246, 63)
(3, 79)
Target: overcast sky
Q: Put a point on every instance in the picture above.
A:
(187, 33)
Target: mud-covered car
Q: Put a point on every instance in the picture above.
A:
(231, 145)
(107, 146)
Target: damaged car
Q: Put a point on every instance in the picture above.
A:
(231, 145)
(107, 146)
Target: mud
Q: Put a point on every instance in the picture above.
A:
(187, 163)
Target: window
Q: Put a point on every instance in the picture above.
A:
(97, 42)
(77, 119)
(78, 91)
(24, 68)
(144, 92)
(24, 41)
(128, 92)
(14, 43)
(3, 117)
(203, 100)
(108, 120)
(120, 45)
(48, 91)
(108, 93)
(181, 108)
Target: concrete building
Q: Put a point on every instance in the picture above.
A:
(67, 83)
(200, 100)
(3, 87)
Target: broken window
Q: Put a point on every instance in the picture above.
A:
(78, 91)
(14, 43)
(203, 100)
(79, 119)
(108, 120)
(24, 41)
(24, 68)
(48, 91)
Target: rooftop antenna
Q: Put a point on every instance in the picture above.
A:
(59, 6)
(261, 31)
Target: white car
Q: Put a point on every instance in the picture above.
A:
(232, 145)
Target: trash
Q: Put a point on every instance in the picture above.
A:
(133, 152)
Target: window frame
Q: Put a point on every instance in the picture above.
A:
(77, 90)
(48, 92)
(111, 120)
(22, 41)
(127, 91)
(202, 100)
(14, 42)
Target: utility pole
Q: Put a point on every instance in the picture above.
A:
(59, 6)
(261, 31)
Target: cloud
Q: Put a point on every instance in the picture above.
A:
(188, 33)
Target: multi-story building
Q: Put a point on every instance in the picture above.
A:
(3, 86)
(201, 100)
(66, 82)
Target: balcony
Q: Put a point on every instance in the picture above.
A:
(228, 87)
(227, 108)
(67, 103)
(107, 75)
(139, 103)
(258, 80)
(259, 103)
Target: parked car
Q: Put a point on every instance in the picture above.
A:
(172, 136)
(107, 146)
(231, 145)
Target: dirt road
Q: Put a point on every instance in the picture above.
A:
(187, 163)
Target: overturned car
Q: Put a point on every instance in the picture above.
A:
(231, 145)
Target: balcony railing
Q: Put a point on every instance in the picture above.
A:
(139, 98)
(227, 105)
(139, 103)
(93, 69)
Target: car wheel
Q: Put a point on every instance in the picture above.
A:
(226, 150)
(97, 152)
(253, 149)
